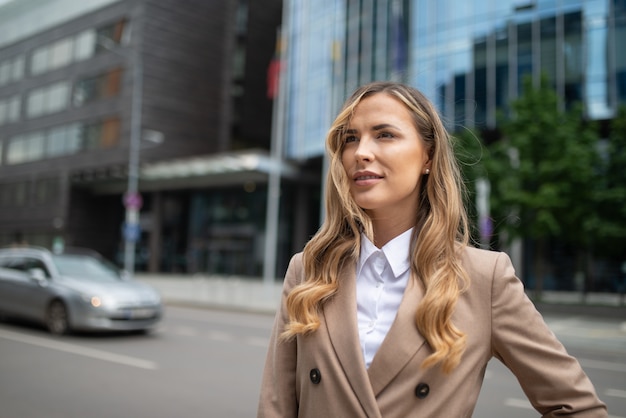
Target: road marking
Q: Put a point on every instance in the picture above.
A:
(518, 403)
(602, 365)
(616, 393)
(81, 351)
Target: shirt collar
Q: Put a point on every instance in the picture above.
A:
(396, 252)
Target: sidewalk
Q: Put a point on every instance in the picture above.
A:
(253, 295)
(221, 292)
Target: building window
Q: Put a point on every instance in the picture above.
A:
(10, 109)
(101, 86)
(110, 133)
(60, 53)
(52, 57)
(11, 70)
(85, 45)
(101, 134)
(25, 148)
(63, 140)
(74, 48)
(110, 34)
(48, 99)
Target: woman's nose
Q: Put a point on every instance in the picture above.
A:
(364, 151)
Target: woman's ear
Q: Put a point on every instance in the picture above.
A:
(427, 167)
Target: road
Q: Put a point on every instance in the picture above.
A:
(207, 363)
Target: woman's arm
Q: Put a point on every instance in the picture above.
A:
(553, 381)
(278, 386)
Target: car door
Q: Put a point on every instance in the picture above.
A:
(9, 287)
(28, 296)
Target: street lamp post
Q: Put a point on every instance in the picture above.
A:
(132, 198)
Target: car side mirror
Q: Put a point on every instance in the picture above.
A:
(38, 275)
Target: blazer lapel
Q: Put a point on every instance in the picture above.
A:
(402, 342)
(341, 322)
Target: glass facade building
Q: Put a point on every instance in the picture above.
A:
(471, 57)
(468, 57)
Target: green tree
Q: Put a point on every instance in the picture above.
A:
(470, 152)
(610, 223)
(542, 174)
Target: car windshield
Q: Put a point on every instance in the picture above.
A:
(86, 268)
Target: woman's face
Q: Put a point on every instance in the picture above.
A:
(384, 158)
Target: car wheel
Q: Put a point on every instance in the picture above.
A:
(56, 318)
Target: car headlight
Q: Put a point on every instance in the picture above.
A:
(94, 301)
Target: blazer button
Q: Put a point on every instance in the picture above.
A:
(422, 390)
(315, 376)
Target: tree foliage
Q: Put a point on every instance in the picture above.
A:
(470, 152)
(552, 180)
(544, 170)
(609, 227)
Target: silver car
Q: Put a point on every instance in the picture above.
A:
(74, 290)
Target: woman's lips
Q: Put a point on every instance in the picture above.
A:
(366, 178)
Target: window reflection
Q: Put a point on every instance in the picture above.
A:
(475, 76)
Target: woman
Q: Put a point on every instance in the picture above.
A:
(388, 312)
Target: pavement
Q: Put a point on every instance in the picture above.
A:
(254, 295)
(218, 292)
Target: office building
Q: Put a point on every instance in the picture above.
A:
(468, 57)
(172, 94)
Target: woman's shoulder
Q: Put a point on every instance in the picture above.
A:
(483, 261)
(294, 270)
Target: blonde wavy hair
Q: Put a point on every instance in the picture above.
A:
(441, 228)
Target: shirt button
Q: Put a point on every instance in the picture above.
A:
(422, 390)
(315, 376)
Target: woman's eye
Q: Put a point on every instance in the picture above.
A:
(350, 138)
(385, 135)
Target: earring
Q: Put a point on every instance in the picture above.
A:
(428, 171)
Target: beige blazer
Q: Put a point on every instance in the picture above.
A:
(324, 375)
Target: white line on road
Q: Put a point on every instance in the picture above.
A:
(81, 351)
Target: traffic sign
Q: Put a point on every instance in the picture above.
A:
(132, 232)
(132, 200)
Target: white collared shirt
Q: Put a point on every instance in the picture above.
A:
(382, 275)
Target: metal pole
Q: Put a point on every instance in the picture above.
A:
(273, 186)
(132, 208)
